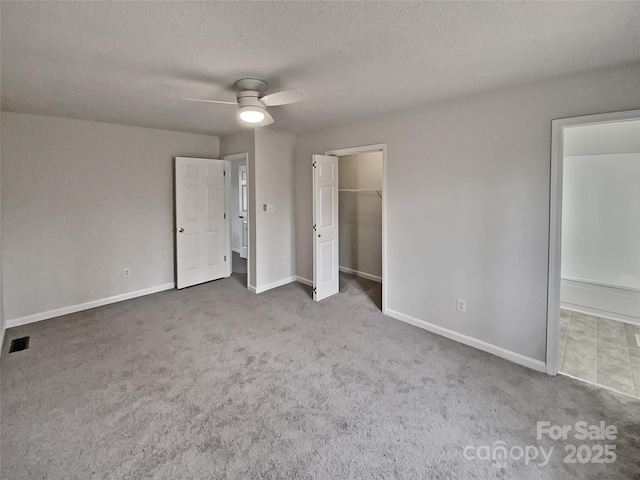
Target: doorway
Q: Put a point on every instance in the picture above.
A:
(349, 222)
(594, 283)
(239, 213)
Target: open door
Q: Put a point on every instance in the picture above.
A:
(326, 279)
(244, 209)
(203, 247)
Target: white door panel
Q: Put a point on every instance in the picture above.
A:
(326, 281)
(202, 227)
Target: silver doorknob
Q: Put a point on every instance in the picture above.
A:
(181, 230)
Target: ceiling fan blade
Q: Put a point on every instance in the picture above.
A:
(283, 98)
(268, 119)
(209, 101)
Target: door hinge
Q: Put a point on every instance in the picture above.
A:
(314, 228)
(314, 290)
(225, 258)
(314, 164)
(224, 173)
(225, 215)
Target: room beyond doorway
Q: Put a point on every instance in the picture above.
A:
(594, 264)
(238, 206)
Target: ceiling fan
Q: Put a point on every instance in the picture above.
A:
(253, 104)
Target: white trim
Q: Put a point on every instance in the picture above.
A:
(341, 152)
(358, 273)
(251, 288)
(4, 329)
(378, 147)
(236, 250)
(514, 357)
(594, 299)
(227, 214)
(36, 317)
(599, 284)
(555, 223)
(304, 280)
(276, 284)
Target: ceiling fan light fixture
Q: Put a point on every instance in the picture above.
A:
(253, 105)
(251, 114)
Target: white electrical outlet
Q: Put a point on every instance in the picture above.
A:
(126, 272)
(461, 305)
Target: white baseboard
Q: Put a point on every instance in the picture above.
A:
(36, 317)
(304, 280)
(514, 357)
(375, 278)
(358, 273)
(252, 289)
(616, 303)
(269, 286)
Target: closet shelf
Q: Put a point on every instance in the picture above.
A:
(357, 190)
(379, 192)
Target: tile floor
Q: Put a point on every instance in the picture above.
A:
(600, 351)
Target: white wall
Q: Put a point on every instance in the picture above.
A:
(275, 245)
(271, 235)
(80, 202)
(601, 219)
(360, 213)
(468, 203)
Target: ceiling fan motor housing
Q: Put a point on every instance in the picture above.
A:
(249, 98)
(250, 84)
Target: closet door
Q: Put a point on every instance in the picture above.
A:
(326, 279)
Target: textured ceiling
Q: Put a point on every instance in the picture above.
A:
(131, 62)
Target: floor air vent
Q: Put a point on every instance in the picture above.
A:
(18, 344)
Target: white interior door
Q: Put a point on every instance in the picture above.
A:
(203, 234)
(326, 279)
(242, 190)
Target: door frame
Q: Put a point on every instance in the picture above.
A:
(555, 223)
(230, 158)
(378, 147)
(243, 199)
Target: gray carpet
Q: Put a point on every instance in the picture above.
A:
(238, 264)
(216, 382)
